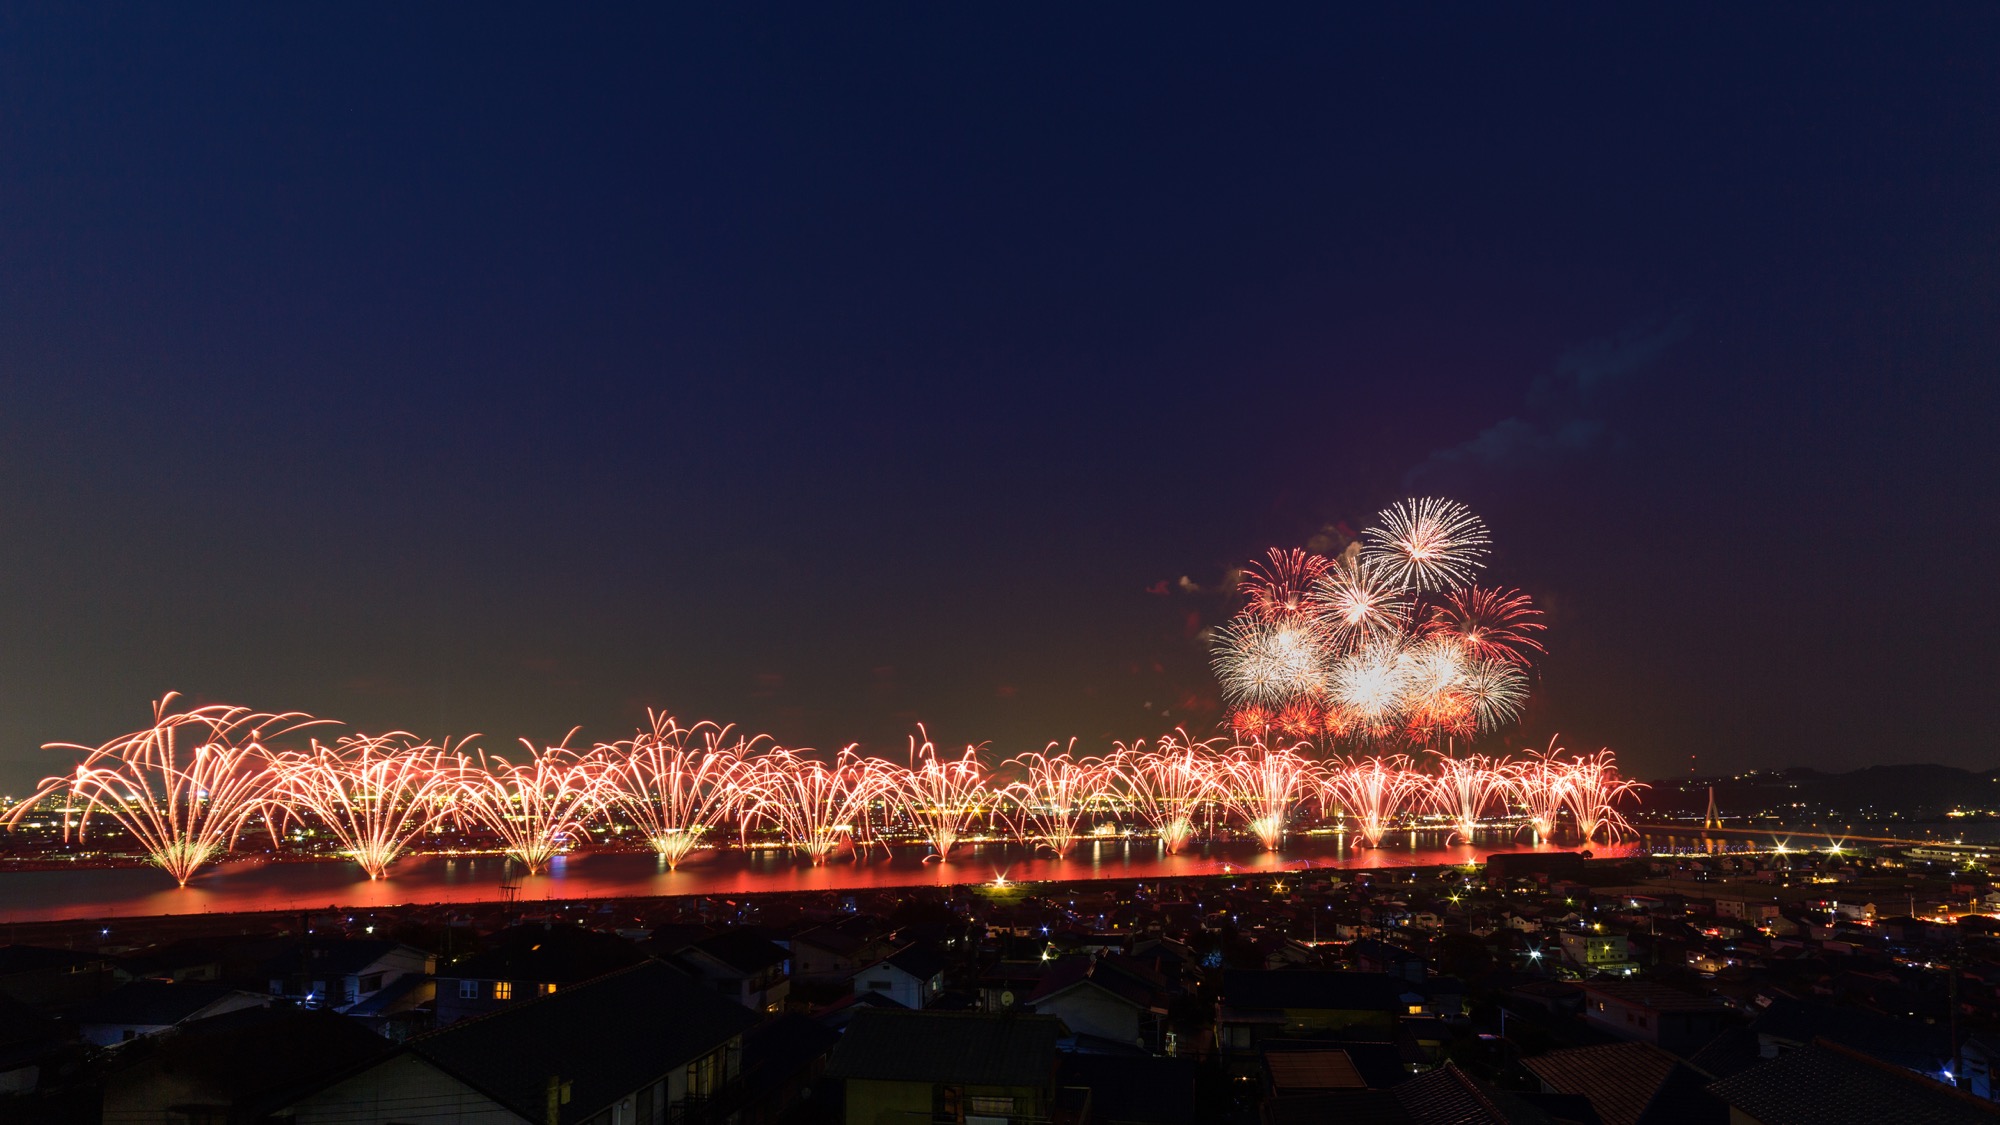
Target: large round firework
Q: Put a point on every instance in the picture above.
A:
(1427, 544)
(1278, 589)
(1370, 683)
(1358, 602)
(1496, 691)
(1491, 623)
(1270, 664)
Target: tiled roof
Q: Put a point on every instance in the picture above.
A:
(1618, 1078)
(1304, 1071)
(607, 1037)
(152, 1003)
(1657, 997)
(1449, 1096)
(1827, 1085)
(963, 1048)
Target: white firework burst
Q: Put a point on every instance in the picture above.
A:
(1267, 663)
(1427, 544)
(1359, 603)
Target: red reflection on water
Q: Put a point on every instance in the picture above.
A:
(28, 896)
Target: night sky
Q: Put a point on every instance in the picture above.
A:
(827, 370)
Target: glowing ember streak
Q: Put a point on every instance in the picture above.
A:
(1464, 789)
(1051, 801)
(1167, 785)
(185, 805)
(812, 804)
(375, 794)
(943, 799)
(1592, 791)
(1263, 785)
(538, 808)
(677, 783)
(1372, 791)
(1428, 544)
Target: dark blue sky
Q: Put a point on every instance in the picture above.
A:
(503, 368)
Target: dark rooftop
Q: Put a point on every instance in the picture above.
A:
(965, 1048)
(151, 1002)
(1274, 989)
(607, 1037)
(1823, 1084)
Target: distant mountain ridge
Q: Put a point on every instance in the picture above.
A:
(1923, 789)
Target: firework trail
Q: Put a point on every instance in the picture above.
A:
(185, 804)
(1540, 782)
(538, 808)
(1592, 790)
(374, 793)
(814, 806)
(1167, 785)
(1263, 784)
(1464, 789)
(676, 784)
(1051, 801)
(1372, 791)
(942, 799)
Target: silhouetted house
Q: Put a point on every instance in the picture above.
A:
(1652, 1013)
(644, 1045)
(840, 949)
(1504, 866)
(340, 974)
(234, 1068)
(1445, 1096)
(48, 978)
(1134, 1090)
(911, 976)
(31, 1045)
(148, 1007)
(1375, 956)
(1630, 1084)
(1822, 1083)
(1253, 1005)
(525, 962)
(1788, 1024)
(783, 1060)
(752, 970)
(899, 1067)
(1102, 1007)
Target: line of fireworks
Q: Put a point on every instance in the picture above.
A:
(679, 787)
(1389, 643)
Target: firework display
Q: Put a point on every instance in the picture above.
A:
(1389, 643)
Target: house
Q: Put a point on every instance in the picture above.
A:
(1375, 956)
(339, 974)
(839, 949)
(953, 1066)
(1630, 1084)
(640, 1046)
(1134, 1089)
(148, 1007)
(232, 1067)
(1595, 952)
(1652, 1013)
(31, 1045)
(1445, 1096)
(1253, 1005)
(752, 970)
(525, 962)
(1825, 1082)
(911, 976)
(1104, 1010)
(783, 1060)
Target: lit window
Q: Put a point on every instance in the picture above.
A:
(503, 990)
(545, 988)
